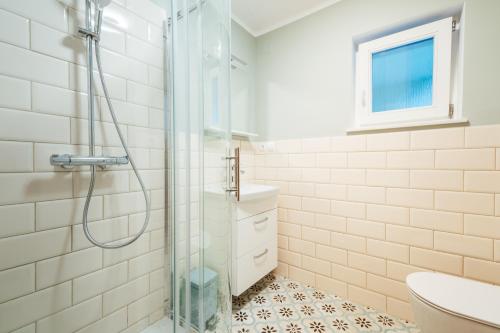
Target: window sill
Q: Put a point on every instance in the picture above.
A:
(403, 126)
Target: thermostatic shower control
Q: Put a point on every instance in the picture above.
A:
(70, 161)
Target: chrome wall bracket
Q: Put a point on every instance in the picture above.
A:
(88, 33)
(68, 161)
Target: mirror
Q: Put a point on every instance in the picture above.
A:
(243, 64)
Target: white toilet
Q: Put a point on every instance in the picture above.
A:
(448, 304)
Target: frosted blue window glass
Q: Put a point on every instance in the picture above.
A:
(402, 76)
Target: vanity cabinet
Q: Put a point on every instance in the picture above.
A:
(255, 242)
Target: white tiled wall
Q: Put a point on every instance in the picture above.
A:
(359, 213)
(51, 279)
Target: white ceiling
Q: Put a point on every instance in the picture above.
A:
(261, 16)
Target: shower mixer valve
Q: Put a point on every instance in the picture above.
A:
(68, 161)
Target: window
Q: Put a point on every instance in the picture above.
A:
(405, 77)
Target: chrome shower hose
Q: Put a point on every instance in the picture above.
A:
(86, 230)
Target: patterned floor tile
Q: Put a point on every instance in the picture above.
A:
(276, 304)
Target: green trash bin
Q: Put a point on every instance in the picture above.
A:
(209, 280)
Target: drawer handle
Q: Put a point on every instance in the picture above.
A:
(261, 221)
(261, 255)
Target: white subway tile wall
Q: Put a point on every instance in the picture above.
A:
(359, 213)
(51, 278)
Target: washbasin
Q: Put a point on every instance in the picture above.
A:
(250, 192)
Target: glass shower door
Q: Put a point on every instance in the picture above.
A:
(200, 139)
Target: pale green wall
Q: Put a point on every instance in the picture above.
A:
(305, 69)
(243, 44)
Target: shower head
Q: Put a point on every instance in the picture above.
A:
(100, 4)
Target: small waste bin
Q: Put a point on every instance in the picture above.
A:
(209, 282)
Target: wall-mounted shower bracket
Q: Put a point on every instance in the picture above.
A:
(70, 161)
(86, 33)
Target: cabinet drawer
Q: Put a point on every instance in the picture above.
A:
(253, 266)
(255, 231)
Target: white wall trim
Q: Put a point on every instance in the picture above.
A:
(282, 23)
(236, 19)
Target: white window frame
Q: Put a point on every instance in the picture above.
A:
(441, 31)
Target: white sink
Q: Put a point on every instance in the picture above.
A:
(250, 192)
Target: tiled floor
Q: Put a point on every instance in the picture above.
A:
(276, 304)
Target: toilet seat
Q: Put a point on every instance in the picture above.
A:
(469, 299)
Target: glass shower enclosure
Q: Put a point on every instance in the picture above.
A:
(199, 206)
